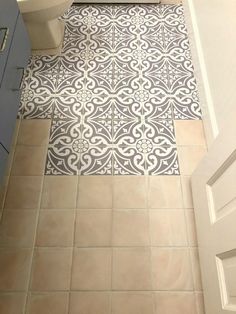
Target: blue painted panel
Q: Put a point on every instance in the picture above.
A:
(9, 91)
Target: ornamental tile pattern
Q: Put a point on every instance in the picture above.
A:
(124, 75)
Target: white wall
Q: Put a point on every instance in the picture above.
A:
(214, 33)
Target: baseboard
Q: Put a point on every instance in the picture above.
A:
(206, 102)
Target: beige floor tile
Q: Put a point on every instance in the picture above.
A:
(29, 160)
(189, 132)
(165, 192)
(187, 191)
(34, 132)
(93, 228)
(17, 228)
(51, 269)
(130, 192)
(189, 158)
(89, 303)
(200, 302)
(48, 303)
(59, 192)
(175, 303)
(131, 269)
(12, 303)
(168, 227)
(95, 192)
(132, 303)
(23, 192)
(171, 269)
(14, 269)
(130, 228)
(197, 280)
(191, 227)
(55, 228)
(91, 269)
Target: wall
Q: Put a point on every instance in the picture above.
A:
(212, 27)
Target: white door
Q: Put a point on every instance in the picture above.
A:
(214, 193)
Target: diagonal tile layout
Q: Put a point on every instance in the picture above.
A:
(123, 76)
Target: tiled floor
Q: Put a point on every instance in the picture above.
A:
(123, 241)
(124, 75)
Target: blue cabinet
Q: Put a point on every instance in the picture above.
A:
(14, 54)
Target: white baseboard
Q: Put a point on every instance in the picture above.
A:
(207, 106)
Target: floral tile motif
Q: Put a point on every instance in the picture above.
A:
(124, 75)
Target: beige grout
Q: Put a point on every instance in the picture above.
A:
(73, 248)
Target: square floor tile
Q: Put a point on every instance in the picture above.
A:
(37, 105)
(14, 269)
(128, 160)
(55, 228)
(89, 303)
(44, 74)
(95, 192)
(59, 192)
(29, 160)
(168, 227)
(51, 269)
(175, 302)
(34, 132)
(165, 192)
(96, 160)
(189, 132)
(18, 228)
(93, 228)
(130, 228)
(129, 192)
(48, 303)
(12, 303)
(171, 269)
(162, 160)
(132, 303)
(131, 269)
(23, 192)
(189, 158)
(91, 269)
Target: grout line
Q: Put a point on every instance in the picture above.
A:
(73, 248)
(150, 241)
(187, 234)
(25, 309)
(81, 290)
(112, 229)
(98, 247)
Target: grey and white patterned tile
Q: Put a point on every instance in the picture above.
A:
(97, 132)
(162, 160)
(37, 106)
(128, 160)
(159, 132)
(96, 160)
(125, 73)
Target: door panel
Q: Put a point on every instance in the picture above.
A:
(214, 194)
